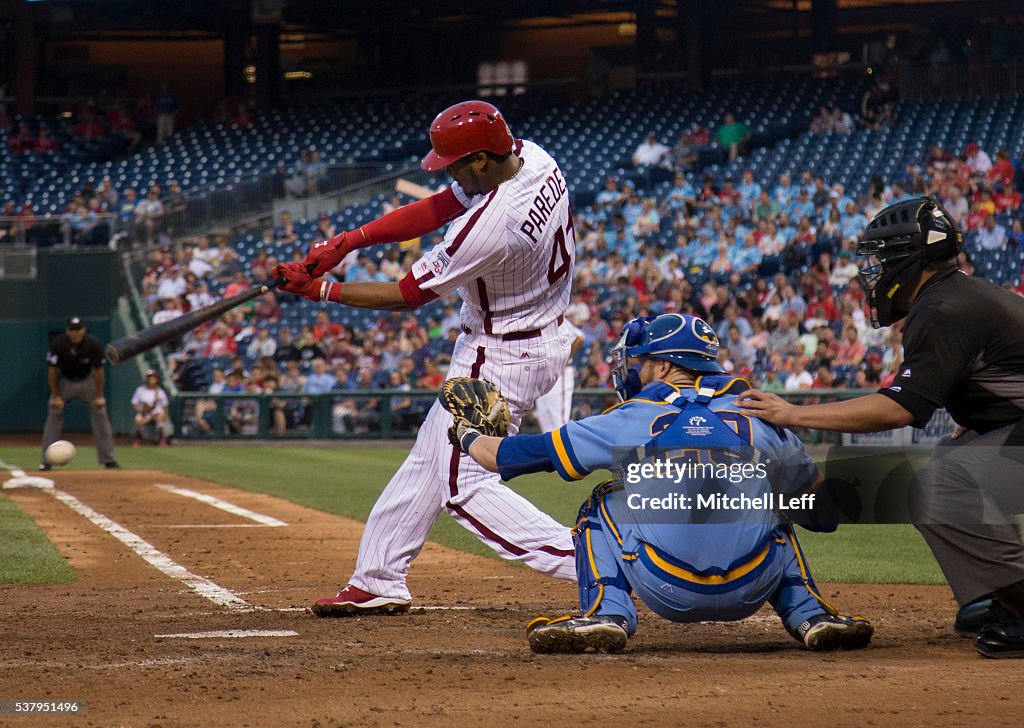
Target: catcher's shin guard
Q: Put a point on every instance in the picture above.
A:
(603, 588)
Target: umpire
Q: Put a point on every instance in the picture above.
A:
(75, 371)
(963, 350)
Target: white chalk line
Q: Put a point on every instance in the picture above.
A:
(223, 505)
(154, 557)
(230, 634)
(447, 609)
(205, 525)
(20, 480)
(27, 481)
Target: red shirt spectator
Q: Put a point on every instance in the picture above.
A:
(119, 120)
(239, 284)
(222, 342)
(324, 327)
(1006, 199)
(1002, 170)
(22, 140)
(46, 142)
(89, 128)
(851, 349)
(699, 136)
(823, 307)
(975, 218)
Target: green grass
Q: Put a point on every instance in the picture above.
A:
(26, 556)
(346, 481)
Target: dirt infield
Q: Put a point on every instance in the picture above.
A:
(99, 639)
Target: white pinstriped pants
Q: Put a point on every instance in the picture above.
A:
(554, 408)
(436, 477)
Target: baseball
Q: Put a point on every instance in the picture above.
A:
(60, 452)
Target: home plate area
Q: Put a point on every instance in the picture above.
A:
(190, 609)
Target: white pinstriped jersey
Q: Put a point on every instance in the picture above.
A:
(510, 255)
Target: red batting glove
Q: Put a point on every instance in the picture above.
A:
(298, 280)
(326, 254)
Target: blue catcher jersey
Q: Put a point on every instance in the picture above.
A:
(712, 456)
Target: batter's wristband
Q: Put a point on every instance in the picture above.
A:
(468, 438)
(330, 291)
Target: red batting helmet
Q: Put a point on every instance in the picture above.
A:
(465, 128)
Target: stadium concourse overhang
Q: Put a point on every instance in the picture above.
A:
(270, 48)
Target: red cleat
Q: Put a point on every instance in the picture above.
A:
(354, 602)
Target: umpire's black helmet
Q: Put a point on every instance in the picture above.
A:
(897, 244)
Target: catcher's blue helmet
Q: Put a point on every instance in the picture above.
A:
(684, 340)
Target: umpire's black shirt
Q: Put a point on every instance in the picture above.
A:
(75, 362)
(964, 346)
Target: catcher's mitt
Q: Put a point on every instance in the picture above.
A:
(477, 405)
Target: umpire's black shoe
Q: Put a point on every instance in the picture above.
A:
(972, 617)
(45, 466)
(112, 465)
(1002, 640)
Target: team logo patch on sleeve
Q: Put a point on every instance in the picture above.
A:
(441, 263)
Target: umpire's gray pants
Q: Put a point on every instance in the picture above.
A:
(102, 433)
(966, 503)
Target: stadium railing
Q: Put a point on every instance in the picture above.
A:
(371, 414)
(926, 82)
(229, 203)
(43, 231)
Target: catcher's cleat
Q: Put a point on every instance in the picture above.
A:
(825, 632)
(971, 618)
(577, 634)
(1002, 640)
(354, 602)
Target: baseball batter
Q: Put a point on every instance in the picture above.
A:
(509, 254)
(688, 563)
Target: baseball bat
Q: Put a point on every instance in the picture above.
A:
(125, 348)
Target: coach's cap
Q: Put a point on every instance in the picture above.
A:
(75, 322)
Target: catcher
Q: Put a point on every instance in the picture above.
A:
(687, 564)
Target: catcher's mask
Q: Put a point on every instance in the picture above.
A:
(897, 245)
(684, 340)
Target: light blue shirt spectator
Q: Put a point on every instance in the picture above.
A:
(320, 381)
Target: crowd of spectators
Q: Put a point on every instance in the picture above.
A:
(771, 268)
(92, 131)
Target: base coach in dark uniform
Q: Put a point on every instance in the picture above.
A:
(75, 371)
(963, 344)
